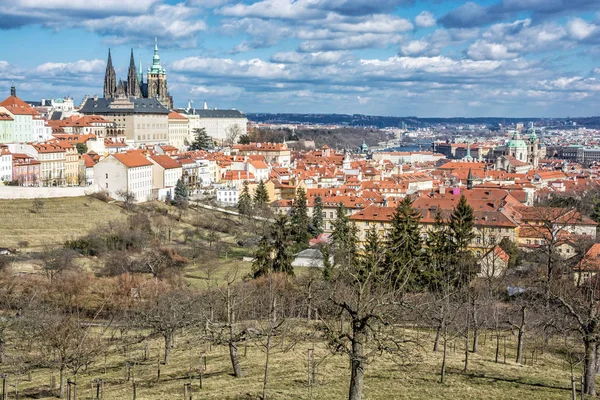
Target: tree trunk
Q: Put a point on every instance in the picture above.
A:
(475, 339)
(521, 335)
(61, 382)
(443, 371)
(266, 377)
(589, 383)
(235, 363)
(168, 342)
(466, 366)
(358, 367)
(438, 333)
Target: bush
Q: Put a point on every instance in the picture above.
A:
(101, 195)
(23, 243)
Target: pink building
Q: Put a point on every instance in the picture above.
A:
(26, 170)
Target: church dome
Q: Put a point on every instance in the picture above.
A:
(517, 142)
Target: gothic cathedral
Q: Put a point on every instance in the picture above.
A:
(155, 86)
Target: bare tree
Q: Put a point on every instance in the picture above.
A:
(233, 133)
(128, 199)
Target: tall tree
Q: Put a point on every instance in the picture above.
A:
(404, 243)
(462, 225)
(300, 221)
(344, 238)
(261, 196)
(201, 140)
(274, 252)
(317, 217)
(244, 205)
(181, 191)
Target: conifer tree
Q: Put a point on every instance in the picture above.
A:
(404, 245)
(344, 238)
(372, 256)
(244, 205)
(438, 256)
(181, 191)
(201, 140)
(274, 252)
(300, 220)
(317, 217)
(461, 234)
(261, 196)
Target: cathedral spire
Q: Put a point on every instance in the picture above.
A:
(110, 79)
(133, 86)
(470, 180)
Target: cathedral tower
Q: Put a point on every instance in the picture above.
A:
(110, 79)
(133, 86)
(157, 80)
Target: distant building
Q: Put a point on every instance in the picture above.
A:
(219, 124)
(528, 152)
(137, 120)
(125, 172)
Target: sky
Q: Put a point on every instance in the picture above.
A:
(426, 58)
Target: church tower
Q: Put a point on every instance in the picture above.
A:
(133, 86)
(157, 81)
(110, 79)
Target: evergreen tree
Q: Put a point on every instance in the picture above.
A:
(461, 234)
(262, 263)
(372, 257)
(274, 252)
(461, 225)
(261, 196)
(437, 270)
(201, 140)
(317, 217)
(244, 205)
(81, 148)
(181, 191)
(344, 238)
(403, 245)
(595, 215)
(300, 221)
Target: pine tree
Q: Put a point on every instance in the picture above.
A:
(262, 263)
(261, 196)
(317, 217)
(461, 225)
(244, 205)
(437, 269)
(201, 140)
(344, 238)
(403, 244)
(595, 215)
(300, 220)
(181, 191)
(371, 259)
(274, 252)
(461, 234)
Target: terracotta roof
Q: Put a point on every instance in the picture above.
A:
(17, 106)
(132, 160)
(175, 115)
(166, 162)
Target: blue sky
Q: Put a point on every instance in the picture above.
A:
(386, 57)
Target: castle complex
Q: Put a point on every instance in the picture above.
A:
(155, 86)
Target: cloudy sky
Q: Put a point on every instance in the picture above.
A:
(384, 57)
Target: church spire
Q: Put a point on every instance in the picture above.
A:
(13, 90)
(133, 86)
(110, 79)
(470, 180)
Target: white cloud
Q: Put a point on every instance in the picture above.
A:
(348, 42)
(425, 20)
(414, 48)
(580, 29)
(73, 68)
(120, 6)
(482, 50)
(254, 68)
(373, 24)
(318, 58)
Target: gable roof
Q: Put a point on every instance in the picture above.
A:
(132, 160)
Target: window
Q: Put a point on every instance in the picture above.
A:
(107, 185)
(106, 176)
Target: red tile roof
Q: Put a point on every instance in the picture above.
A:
(132, 160)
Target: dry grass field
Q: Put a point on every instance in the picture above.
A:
(404, 378)
(59, 219)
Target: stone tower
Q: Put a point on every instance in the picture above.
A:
(534, 149)
(110, 79)
(133, 85)
(157, 81)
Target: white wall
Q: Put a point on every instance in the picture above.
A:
(20, 192)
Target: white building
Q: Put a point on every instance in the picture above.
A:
(178, 129)
(125, 172)
(6, 173)
(165, 171)
(219, 124)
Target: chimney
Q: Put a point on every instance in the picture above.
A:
(442, 189)
(95, 97)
